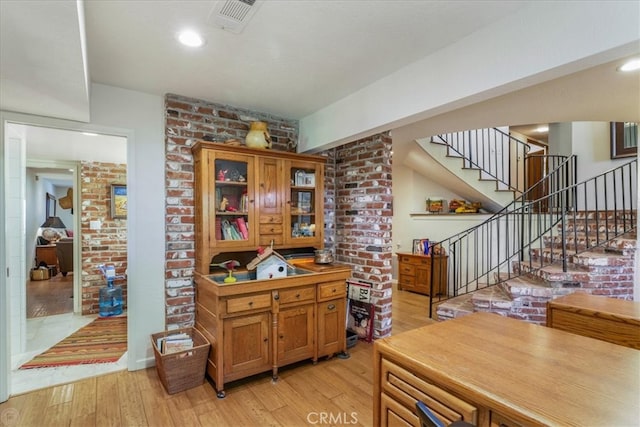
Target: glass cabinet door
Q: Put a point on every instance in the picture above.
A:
(305, 203)
(233, 200)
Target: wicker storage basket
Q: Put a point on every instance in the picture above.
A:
(184, 369)
(40, 274)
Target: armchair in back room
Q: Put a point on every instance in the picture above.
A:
(64, 250)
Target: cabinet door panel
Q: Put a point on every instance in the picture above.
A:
(270, 186)
(305, 203)
(296, 336)
(331, 327)
(231, 207)
(246, 345)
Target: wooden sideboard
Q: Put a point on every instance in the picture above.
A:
(47, 254)
(491, 370)
(261, 325)
(414, 273)
(608, 319)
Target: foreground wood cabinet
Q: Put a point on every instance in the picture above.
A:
(608, 319)
(247, 198)
(415, 273)
(491, 370)
(261, 325)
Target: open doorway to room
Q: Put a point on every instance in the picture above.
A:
(49, 234)
(65, 179)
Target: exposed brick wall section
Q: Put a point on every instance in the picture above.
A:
(109, 243)
(329, 199)
(363, 215)
(186, 121)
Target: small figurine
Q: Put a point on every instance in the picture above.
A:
(222, 174)
(223, 204)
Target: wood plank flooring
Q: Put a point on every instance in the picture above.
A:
(332, 392)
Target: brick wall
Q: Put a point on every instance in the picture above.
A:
(109, 243)
(363, 214)
(188, 120)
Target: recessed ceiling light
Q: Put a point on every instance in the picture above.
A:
(542, 129)
(89, 134)
(190, 38)
(631, 65)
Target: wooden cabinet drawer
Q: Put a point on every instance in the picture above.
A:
(407, 269)
(331, 290)
(406, 281)
(393, 414)
(268, 239)
(287, 296)
(406, 388)
(498, 420)
(251, 302)
(270, 219)
(270, 228)
(406, 258)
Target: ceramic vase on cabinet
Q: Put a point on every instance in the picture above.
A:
(258, 136)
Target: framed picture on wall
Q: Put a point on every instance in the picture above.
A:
(118, 201)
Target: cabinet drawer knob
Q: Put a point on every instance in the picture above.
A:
(250, 303)
(331, 307)
(297, 295)
(276, 297)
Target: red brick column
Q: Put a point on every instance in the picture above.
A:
(188, 120)
(109, 243)
(363, 214)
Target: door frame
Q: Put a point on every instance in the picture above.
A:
(6, 327)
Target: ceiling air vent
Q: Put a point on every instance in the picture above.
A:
(233, 15)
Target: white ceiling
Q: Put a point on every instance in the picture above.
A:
(292, 59)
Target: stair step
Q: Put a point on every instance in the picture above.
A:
(492, 299)
(455, 307)
(624, 245)
(629, 215)
(597, 257)
(553, 273)
(597, 227)
(526, 286)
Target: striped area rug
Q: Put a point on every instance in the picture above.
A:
(102, 341)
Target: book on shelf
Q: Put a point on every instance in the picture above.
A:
(234, 229)
(242, 227)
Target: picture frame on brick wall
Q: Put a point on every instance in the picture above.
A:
(118, 201)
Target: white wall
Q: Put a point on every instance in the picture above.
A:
(410, 191)
(143, 116)
(599, 32)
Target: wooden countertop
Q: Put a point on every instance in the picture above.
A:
(530, 373)
(600, 306)
(319, 273)
(320, 268)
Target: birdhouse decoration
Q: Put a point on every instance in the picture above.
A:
(269, 264)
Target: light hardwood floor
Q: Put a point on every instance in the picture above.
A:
(332, 392)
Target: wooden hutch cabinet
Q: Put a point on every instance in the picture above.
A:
(414, 273)
(247, 198)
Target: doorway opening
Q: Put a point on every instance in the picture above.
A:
(53, 168)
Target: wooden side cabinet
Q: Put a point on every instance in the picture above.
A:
(608, 319)
(415, 273)
(261, 325)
